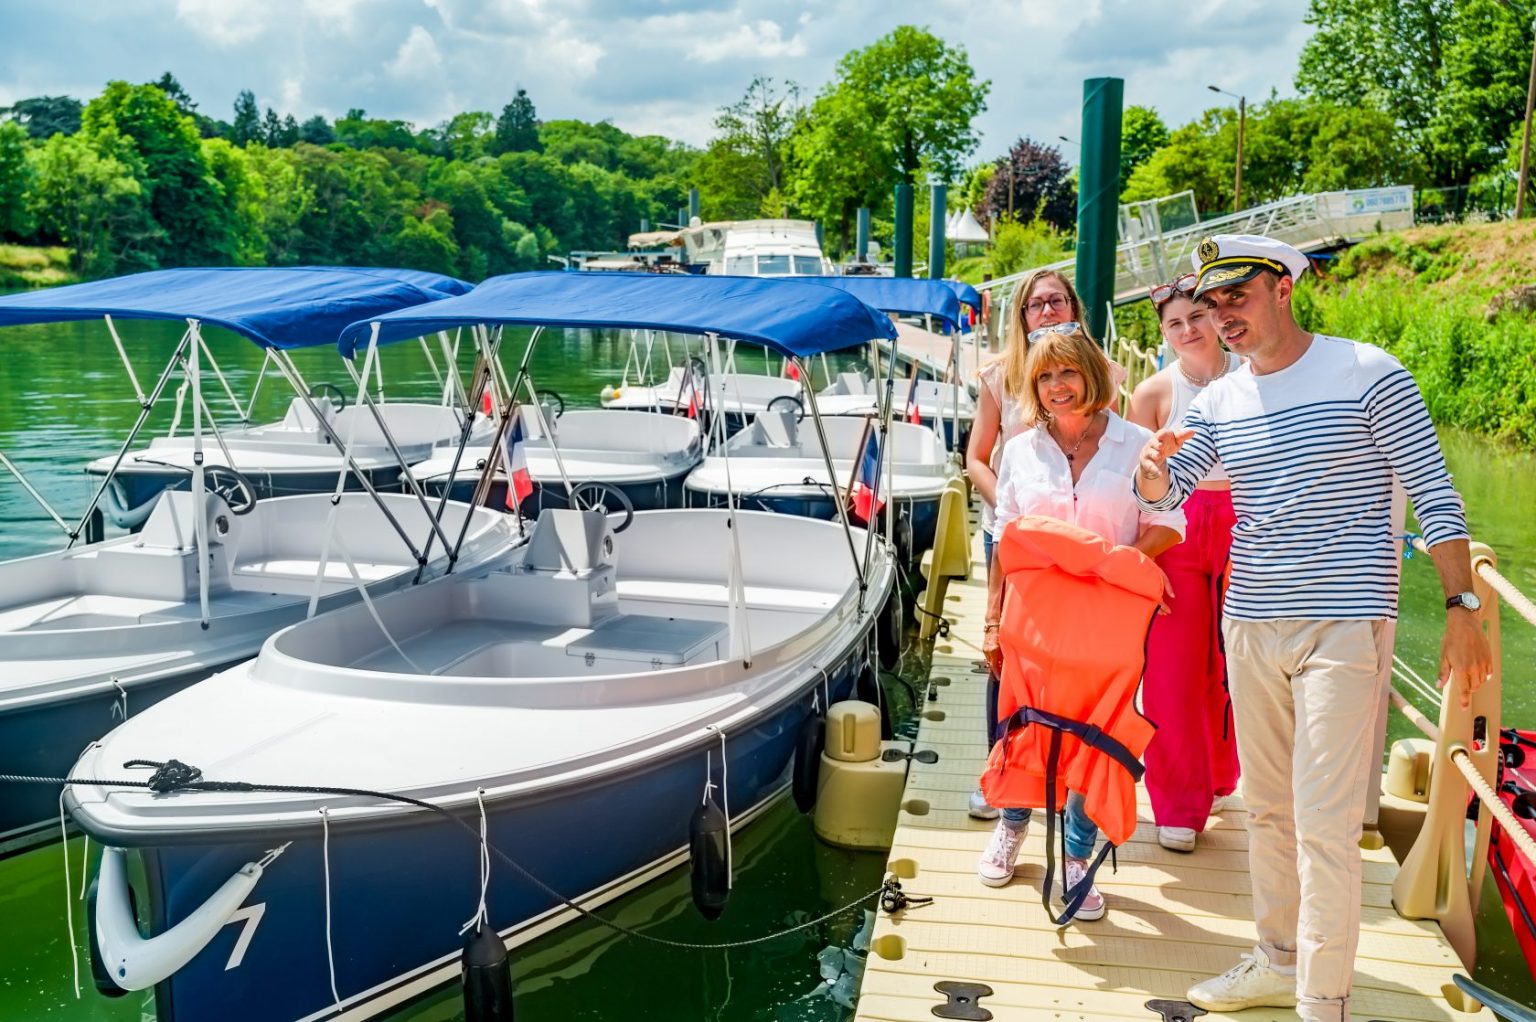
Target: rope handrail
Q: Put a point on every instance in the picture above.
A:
(1490, 798)
(1414, 715)
(1517, 600)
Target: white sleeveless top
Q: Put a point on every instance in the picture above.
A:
(1184, 393)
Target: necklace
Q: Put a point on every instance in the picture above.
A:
(1071, 452)
(1225, 365)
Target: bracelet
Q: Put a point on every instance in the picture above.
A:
(992, 624)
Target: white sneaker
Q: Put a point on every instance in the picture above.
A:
(996, 866)
(1232, 803)
(1177, 839)
(1092, 907)
(979, 809)
(1251, 983)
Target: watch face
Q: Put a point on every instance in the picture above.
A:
(1467, 600)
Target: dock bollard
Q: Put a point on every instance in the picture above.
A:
(859, 791)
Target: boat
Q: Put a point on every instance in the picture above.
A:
(98, 632)
(576, 702)
(779, 464)
(295, 454)
(944, 404)
(644, 455)
(693, 389)
(1513, 872)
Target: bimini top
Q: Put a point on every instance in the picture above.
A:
(967, 294)
(791, 316)
(277, 307)
(908, 296)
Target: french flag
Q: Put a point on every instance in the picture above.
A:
(867, 501)
(519, 482)
(688, 393)
(914, 414)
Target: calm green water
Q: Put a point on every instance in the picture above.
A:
(64, 399)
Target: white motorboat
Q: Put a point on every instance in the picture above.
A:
(644, 455)
(100, 631)
(580, 696)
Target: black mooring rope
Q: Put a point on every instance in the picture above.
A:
(173, 775)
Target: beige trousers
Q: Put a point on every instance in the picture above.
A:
(1305, 696)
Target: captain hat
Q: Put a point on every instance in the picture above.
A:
(1225, 259)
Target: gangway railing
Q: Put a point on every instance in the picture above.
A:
(1309, 222)
(1435, 881)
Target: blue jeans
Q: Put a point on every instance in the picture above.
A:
(1082, 833)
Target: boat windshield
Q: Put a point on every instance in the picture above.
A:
(740, 266)
(808, 266)
(772, 265)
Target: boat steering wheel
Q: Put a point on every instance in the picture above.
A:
(799, 406)
(550, 397)
(236, 489)
(330, 390)
(597, 496)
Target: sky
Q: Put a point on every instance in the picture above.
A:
(649, 66)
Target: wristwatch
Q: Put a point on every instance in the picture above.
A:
(1467, 600)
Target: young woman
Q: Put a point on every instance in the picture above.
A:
(1074, 461)
(1044, 298)
(1193, 758)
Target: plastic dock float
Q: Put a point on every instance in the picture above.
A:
(1173, 919)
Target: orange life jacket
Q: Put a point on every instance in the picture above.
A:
(1076, 612)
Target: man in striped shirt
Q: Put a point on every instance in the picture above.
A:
(1311, 430)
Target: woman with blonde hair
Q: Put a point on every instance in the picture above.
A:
(1044, 298)
(1073, 460)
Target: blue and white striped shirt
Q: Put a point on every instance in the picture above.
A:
(1311, 450)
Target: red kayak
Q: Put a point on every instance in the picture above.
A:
(1512, 871)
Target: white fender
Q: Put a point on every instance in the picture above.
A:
(135, 963)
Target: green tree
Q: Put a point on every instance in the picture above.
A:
(1450, 73)
(247, 124)
(16, 182)
(466, 135)
(89, 202)
(1142, 133)
(747, 160)
(839, 164)
(921, 96)
(46, 116)
(181, 194)
(168, 84)
(317, 131)
(517, 129)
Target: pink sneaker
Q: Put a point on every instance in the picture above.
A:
(996, 866)
(1092, 907)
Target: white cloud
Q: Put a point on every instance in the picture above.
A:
(225, 24)
(750, 41)
(418, 56)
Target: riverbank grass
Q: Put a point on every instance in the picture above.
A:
(24, 266)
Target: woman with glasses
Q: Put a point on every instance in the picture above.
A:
(1192, 761)
(1072, 460)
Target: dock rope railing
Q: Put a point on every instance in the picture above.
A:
(1439, 879)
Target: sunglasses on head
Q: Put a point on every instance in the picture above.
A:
(1054, 328)
(1184, 285)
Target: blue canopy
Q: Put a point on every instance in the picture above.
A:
(968, 295)
(909, 296)
(277, 307)
(794, 316)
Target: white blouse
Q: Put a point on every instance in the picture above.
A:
(1035, 479)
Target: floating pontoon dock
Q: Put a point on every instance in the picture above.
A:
(1173, 918)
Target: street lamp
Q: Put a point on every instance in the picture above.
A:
(1069, 141)
(1242, 118)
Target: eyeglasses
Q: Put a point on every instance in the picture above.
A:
(1055, 302)
(1184, 285)
(1055, 328)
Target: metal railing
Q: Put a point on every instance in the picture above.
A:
(1156, 256)
(1436, 880)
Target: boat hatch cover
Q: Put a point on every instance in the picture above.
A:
(642, 637)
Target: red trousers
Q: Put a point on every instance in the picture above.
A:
(1193, 756)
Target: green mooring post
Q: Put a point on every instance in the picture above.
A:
(693, 196)
(861, 236)
(1098, 198)
(903, 240)
(936, 213)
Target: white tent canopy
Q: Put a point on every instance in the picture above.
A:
(964, 229)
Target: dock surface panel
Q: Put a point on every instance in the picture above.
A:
(1174, 919)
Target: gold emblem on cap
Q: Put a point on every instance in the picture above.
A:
(1219, 277)
(1208, 250)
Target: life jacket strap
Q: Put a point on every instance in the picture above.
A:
(1090, 735)
(1072, 898)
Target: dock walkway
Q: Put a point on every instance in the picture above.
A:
(1173, 919)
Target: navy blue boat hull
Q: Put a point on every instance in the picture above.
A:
(654, 495)
(923, 513)
(401, 892)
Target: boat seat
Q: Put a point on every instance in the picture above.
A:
(777, 429)
(714, 593)
(855, 383)
(86, 610)
(303, 569)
